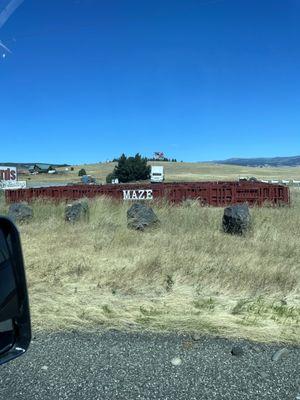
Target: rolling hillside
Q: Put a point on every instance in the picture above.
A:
(174, 171)
(257, 162)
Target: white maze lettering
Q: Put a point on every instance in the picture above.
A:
(140, 194)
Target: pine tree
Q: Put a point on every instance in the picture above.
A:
(132, 169)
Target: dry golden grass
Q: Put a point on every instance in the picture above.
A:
(177, 172)
(185, 275)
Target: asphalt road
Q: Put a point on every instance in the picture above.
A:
(114, 365)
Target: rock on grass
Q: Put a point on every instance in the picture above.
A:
(20, 212)
(236, 219)
(77, 211)
(140, 216)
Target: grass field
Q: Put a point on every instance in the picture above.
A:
(176, 172)
(185, 275)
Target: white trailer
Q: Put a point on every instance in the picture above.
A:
(157, 174)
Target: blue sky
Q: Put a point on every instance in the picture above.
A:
(199, 80)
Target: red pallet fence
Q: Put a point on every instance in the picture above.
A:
(217, 194)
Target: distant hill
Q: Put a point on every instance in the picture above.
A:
(263, 161)
(27, 165)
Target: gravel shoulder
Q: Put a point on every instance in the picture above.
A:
(117, 365)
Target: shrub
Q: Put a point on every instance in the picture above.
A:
(82, 172)
(110, 177)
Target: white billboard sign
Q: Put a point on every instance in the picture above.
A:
(5, 185)
(8, 174)
(8, 179)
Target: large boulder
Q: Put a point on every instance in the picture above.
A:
(139, 217)
(236, 219)
(79, 210)
(20, 212)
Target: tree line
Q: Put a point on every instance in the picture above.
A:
(152, 159)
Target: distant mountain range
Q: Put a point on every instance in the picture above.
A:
(263, 161)
(247, 162)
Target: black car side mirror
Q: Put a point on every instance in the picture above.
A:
(15, 328)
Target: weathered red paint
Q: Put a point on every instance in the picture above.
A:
(208, 193)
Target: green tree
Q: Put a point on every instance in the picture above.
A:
(131, 169)
(82, 172)
(121, 169)
(110, 177)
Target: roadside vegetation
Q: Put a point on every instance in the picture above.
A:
(174, 171)
(184, 275)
